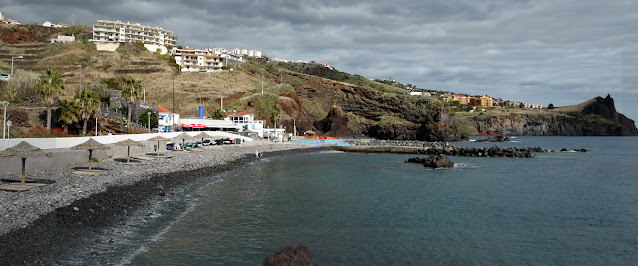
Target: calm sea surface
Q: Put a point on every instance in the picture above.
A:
(374, 209)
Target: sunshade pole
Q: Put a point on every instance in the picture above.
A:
(24, 162)
(90, 154)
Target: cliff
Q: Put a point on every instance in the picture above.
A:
(596, 117)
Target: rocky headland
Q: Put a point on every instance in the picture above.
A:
(596, 117)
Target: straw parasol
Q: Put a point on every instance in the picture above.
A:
(128, 143)
(90, 145)
(24, 150)
(202, 136)
(183, 137)
(158, 139)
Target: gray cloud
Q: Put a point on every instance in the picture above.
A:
(539, 51)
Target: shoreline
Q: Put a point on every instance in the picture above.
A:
(48, 223)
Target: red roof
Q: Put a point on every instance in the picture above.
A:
(163, 109)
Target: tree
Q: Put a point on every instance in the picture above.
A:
(275, 114)
(144, 118)
(67, 113)
(50, 85)
(217, 114)
(130, 91)
(550, 106)
(521, 105)
(87, 102)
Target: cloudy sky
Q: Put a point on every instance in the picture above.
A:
(561, 52)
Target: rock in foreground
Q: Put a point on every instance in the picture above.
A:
(292, 255)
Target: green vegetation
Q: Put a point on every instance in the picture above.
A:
(81, 32)
(67, 113)
(144, 118)
(217, 114)
(50, 86)
(131, 91)
(87, 102)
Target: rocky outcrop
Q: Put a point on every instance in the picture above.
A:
(598, 117)
(494, 139)
(292, 255)
(438, 148)
(440, 161)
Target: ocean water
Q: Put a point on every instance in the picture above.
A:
(374, 209)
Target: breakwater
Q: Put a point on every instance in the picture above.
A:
(437, 148)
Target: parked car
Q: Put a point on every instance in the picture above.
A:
(206, 142)
(223, 141)
(5, 77)
(188, 145)
(170, 146)
(197, 144)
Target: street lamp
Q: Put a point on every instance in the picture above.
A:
(4, 121)
(8, 128)
(17, 57)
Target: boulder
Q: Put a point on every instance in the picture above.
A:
(440, 161)
(291, 255)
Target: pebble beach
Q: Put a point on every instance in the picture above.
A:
(39, 224)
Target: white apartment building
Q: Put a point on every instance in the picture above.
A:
(252, 53)
(198, 60)
(218, 50)
(117, 31)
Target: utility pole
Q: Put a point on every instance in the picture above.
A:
(262, 82)
(14, 57)
(96, 124)
(80, 77)
(4, 122)
(222, 103)
(173, 93)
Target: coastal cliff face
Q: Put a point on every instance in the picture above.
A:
(597, 117)
(353, 111)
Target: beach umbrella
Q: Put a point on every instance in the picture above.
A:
(24, 150)
(128, 143)
(183, 137)
(202, 136)
(90, 145)
(158, 139)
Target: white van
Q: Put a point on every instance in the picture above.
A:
(5, 77)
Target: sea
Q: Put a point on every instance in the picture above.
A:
(561, 208)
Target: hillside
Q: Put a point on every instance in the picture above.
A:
(307, 95)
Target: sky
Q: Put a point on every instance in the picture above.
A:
(562, 52)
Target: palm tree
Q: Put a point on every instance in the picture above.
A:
(131, 91)
(217, 114)
(50, 85)
(68, 113)
(275, 114)
(87, 103)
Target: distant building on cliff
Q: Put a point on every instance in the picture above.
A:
(54, 25)
(153, 38)
(8, 20)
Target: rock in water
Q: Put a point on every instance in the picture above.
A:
(292, 255)
(440, 161)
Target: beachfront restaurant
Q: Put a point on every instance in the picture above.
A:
(207, 124)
